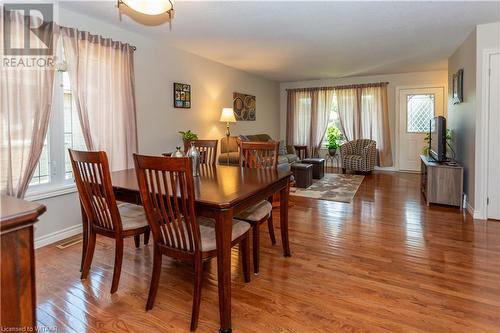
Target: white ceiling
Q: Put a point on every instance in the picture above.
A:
(287, 41)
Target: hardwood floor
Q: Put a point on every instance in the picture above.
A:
(385, 263)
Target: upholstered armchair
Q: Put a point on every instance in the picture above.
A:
(358, 155)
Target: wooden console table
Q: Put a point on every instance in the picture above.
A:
(18, 300)
(442, 183)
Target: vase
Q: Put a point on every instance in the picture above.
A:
(178, 152)
(194, 155)
(332, 152)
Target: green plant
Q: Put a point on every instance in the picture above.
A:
(188, 135)
(333, 136)
(427, 140)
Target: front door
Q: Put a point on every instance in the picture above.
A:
(416, 108)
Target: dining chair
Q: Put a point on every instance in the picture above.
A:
(207, 148)
(104, 215)
(263, 155)
(167, 191)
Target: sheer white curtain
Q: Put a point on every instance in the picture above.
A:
(347, 102)
(375, 121)
(26, 103)
(299, 118)
(308, 112)
(321, 108)
(101, 73)
(364, 114)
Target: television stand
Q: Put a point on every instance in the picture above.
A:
(441, 183)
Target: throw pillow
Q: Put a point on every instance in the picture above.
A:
(282, 148)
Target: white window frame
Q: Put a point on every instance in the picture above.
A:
(58, 184)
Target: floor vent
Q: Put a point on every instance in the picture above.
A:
(69, 242)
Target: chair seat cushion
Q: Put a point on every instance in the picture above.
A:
(256, 212)
(354, 159)
(207, 232)
(133, 216)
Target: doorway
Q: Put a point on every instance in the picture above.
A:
(416, 108)
(493, 182)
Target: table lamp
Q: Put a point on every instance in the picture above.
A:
(227, 116)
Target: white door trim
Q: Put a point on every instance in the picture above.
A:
(397, 110)
(481, 165)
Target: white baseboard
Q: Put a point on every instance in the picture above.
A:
(476, 214)
(393, 169)
(58, 236)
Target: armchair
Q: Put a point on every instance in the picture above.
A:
(358, 155)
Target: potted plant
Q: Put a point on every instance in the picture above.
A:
(187, 136)
(333, 137)
(427, 140)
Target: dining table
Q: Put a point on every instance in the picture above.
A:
(221, 192)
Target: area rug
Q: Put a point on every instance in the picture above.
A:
(333, 187)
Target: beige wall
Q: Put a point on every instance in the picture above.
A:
(462, 117)
(157, 66)
(434, 78)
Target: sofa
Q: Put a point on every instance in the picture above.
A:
(358, 155)
(286, 154)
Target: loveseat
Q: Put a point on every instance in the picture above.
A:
(286, 154)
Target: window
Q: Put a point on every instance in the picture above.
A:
(420, 110)
(333, 120)
(54, 168)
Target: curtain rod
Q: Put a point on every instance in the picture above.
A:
(350, 86)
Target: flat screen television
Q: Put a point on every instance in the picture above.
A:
(437, 143)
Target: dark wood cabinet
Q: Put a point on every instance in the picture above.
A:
(441, 183)
(18, 296)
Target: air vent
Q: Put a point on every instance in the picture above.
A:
(69, 242)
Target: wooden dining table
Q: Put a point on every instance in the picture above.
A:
(221, 192)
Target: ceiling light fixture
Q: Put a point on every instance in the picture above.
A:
(149, 7)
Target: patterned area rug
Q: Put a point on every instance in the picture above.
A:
(333, 187)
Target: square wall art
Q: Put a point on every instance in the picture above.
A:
(244, 107)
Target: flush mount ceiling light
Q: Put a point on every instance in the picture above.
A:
(149, 7)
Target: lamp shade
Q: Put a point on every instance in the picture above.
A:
(227, 115)
(150, 7)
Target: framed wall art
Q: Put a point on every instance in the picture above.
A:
(244, 107)
(182, 95)
(458, 87)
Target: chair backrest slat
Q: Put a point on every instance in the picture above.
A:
(91, 172)
(167, 192)
(207, 149)
(259, 155)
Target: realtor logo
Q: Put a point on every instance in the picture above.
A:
(35, 39)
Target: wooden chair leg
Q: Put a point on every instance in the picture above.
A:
(198, 278)
(85, 236)
(137, 241)
(245, 257)
(146, 237)
(89, 254)
(155, 280)
(343, 170)
(118, 265)
(256, 241)
(270, 226)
